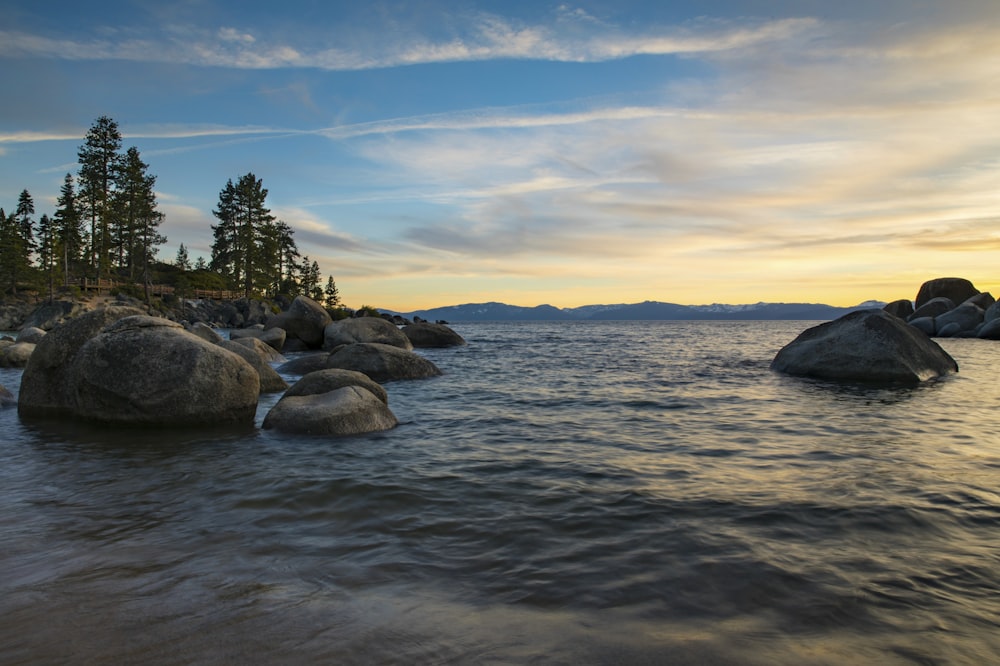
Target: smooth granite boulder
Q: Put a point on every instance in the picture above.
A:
(925, 325)
(330, 379)
(32, 335)
(266, 351)
(303, 365)
(901, 308)
(992, 312)
(426, 335)
(270, 380)
(983, 299)
(964, 318)
(273, 337)
(990, 330)
(51, 315)
(933, 308)
(305, 320)
(16, 355)
(45, 385)
(205, 332)
(866, 346)
(364, 329)
(7, 398)
(345, 411)
(383, 363)
(958, 290)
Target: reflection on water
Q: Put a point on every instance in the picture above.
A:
(575, 493)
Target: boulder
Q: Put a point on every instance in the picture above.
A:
(51, 315)
(425, 335)
(31, 334)
(7, 398)
(303, 365)
(205, 332)
(45, 382)
(146, 371)
(304, 320)
(990, 330)
(330, 379)
(364, 329)
(867, 346)
(983, 299)
(383, 363)
(267, 352)
(16, 355)
(924, 324)
(951, 330)
(273, 337)
(992, 312)
(270, 380)
(933, 308)
(965, 317)
(902, 308)
(350, 410)
(958, 290)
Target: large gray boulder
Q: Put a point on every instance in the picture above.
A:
(990, 330)
(364, 329)
(958, 290)
(16, 355)
(270, 380)
(992, 312)
(983, 299)
(146, 371)
(934, 308)
(426, 335)
(925, 325)
(331, 379)
(383, 363)
(963, 319)
(45, 383)
(51, 315)
(205, 332)
(266, 351)
(350, 410)
(902, 308)
(303, 365)
(273, 337)
(304, 320)
(31, 334)
(866, 346)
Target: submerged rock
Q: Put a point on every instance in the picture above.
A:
(868, 346)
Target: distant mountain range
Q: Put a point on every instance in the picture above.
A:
(648, 310)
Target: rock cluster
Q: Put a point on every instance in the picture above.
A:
(951, 308)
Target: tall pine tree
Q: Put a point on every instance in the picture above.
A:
(99, 164)
(241, 236)
(67, 229)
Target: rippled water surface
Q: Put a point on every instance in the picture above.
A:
(599, 493)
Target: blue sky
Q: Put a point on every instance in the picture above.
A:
(434, 153)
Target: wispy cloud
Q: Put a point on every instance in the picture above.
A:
(483, 37)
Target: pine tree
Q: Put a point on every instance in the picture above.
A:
(331, 294)
(134, 233)
(99, 163)
(25, 209)
(200, 264)
(14, 257)
(67, 228)
(182, 262)
(47, 241)
(241, 237)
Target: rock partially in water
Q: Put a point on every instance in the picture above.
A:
(330, 379)
(364, 329)
(270, 380)
(45, 387)
(16, 355)
(7, 398)
(902, 308)
(427, 335)
(933, 308)
(866, 346)
(205, 332)
(266, 352)
(962, 320)
(958, 290)
(305, 320)
(348, 410)
(274, 337)
(303, 365)
(383, 363)
(31, 334)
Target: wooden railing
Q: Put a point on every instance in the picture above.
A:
(155, 289)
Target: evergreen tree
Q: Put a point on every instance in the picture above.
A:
(331, 294)
(182, 262)
(67, 228)
(200, 265)
(309, 277)
(241, 237)
(133, 234)
(99, 163)
(25, 209)
(14, 256)
(47, 241)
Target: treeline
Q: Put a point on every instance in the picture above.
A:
(106, 227)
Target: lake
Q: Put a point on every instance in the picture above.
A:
(566, 493)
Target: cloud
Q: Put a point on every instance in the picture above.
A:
(483, 37)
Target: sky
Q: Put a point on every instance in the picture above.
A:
(433, 153)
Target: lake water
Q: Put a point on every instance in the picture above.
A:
(572, 493)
